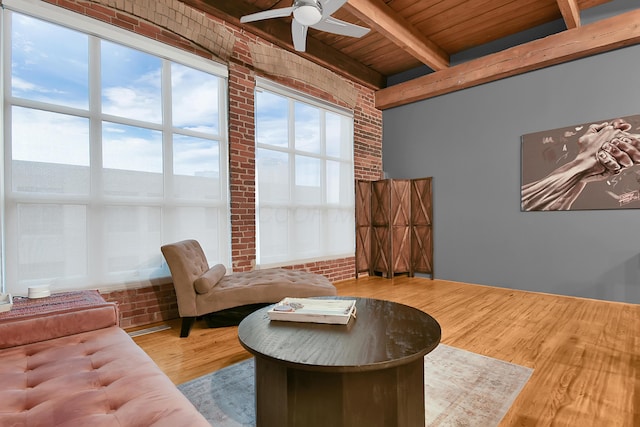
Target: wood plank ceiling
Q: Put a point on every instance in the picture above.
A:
(406, 34)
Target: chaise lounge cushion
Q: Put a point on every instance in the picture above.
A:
(263, 286)
(209, 279)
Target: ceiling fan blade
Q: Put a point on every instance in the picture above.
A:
(336, 26)
(299, 35)
(267, 14)
(330, 6)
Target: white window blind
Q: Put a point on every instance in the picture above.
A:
(304, 169)
(113, 145)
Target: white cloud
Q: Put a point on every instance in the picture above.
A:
(40, 136)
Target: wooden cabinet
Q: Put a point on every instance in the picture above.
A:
(393, 227)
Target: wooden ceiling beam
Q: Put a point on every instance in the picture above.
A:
(278, 32)
(601, 36)
(570, 12)
(376, 14)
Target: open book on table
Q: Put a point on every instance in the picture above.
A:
(334, 311)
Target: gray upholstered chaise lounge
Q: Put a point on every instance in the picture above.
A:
(202, 290)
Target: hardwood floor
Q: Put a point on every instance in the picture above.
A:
(585, 353)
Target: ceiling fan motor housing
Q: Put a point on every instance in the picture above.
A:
(307, 12)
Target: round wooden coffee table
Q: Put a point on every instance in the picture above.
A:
(369, 372)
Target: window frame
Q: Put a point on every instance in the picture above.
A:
(293, 95)
(97, 31)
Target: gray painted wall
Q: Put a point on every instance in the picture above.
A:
(469, 141)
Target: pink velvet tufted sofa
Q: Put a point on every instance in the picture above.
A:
(74, 366)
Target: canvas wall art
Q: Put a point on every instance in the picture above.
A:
(587, 166)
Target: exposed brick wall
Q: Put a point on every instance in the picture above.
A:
(242, 167)
(176, 24)
(335, 269)
(145, 305)
(367, 138)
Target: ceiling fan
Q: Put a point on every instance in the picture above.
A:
(310, 13)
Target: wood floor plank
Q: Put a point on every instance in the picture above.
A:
(585, 353)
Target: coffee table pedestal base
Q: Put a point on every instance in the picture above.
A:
(286, 396)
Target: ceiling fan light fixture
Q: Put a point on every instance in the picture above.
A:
(308, 12)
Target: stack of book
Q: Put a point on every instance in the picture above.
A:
(333, 311)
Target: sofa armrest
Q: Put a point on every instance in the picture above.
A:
(56, 321)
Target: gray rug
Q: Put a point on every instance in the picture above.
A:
(462, 389)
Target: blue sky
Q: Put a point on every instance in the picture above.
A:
(50, 65)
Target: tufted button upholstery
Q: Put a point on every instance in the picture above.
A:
(264, 286)
(187, 262)
(96, 378)
(71, 365)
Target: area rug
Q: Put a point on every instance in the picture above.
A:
(461, 389)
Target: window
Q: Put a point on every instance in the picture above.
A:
(110, 150)
(304, 169)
